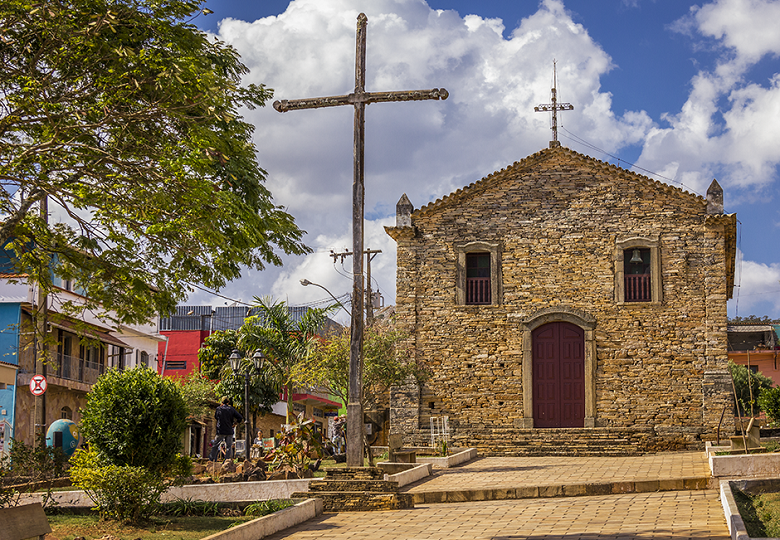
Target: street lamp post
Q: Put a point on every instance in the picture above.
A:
(235, 364)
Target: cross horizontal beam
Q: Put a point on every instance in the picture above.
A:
(362, 97)
(554, 106)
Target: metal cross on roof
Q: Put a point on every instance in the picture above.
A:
(359, 99)
(554, 107)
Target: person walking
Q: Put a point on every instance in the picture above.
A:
(226, 417)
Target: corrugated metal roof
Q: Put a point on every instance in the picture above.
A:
(206, 318)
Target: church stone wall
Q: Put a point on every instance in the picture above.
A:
(558, 217)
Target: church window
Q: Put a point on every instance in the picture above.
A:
(478, 278)
(478, 274)
(637, 271)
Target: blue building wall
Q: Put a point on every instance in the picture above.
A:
(10, 317)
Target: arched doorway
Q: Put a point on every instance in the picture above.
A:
(558, 375)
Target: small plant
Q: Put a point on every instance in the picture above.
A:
(190, 507)
(29, 464)
(444, 448)
(123, 492)
(263, 508)
(297, 446)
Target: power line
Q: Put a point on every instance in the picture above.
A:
(583, 142)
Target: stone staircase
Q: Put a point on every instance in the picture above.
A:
(517, 442)
(356, 489)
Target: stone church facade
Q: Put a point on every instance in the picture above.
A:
(565, 305)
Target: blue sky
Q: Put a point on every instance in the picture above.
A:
(687, 90)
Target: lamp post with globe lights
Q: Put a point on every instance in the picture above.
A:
(258, 359)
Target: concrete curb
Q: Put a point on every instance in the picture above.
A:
(450, 461)
(568, 490)
(733, 519)
(230, 492)
(273, 523)
(412, 475)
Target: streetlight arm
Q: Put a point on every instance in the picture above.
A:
(306, 282)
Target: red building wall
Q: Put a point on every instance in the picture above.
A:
(181, 357)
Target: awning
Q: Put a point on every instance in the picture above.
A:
(81, 328)
(8, 373)
(311, 399)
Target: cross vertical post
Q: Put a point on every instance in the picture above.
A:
(359, 99)
(554, 107)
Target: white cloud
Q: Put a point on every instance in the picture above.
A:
(728, 125)
(726, 128)
(758, 289)
(424, 149)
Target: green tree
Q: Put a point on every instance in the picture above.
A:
(135, 418)
(287, 342)
(126, 117)
(769, 401)
(213, 358)
(386, 363)
(198, 392)
(748, 387)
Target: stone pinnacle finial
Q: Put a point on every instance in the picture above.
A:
(715, 198)
(403, 212)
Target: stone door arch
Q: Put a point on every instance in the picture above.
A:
(584, 323)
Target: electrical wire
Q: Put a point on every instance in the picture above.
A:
(583, 142)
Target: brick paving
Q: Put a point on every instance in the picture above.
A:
(681, 514)
(692, 514)
(501, 472)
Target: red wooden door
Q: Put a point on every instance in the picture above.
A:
(559, 375)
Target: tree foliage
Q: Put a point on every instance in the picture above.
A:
(769, 401)
(749, 387)
(286, 341)
(198, 392)
(213, 358)
(126, 118)
(136, 418)
(386, 363)
(216, 350)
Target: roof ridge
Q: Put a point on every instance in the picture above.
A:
(546, 153)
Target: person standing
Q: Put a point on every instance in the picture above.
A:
(226, 417)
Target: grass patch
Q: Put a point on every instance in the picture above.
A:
(68, 527)
(184, 519)
(761, 513)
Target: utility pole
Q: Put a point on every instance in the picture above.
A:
(370, 254)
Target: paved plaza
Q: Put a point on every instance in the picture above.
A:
(498, 472)
(693, 514)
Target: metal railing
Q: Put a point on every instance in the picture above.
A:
(478, 290)
(78, 369)
(638, 288)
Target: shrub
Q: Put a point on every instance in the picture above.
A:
(769, 401)
(757, 384)
(297, 446)
(123, 492)
(135, 418)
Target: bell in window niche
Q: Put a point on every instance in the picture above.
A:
(638, 261)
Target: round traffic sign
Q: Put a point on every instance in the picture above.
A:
(38, 385)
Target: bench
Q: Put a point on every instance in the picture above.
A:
(26, 521)
(396, 453)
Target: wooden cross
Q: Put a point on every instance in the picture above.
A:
(359, 99)
(554, 107)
